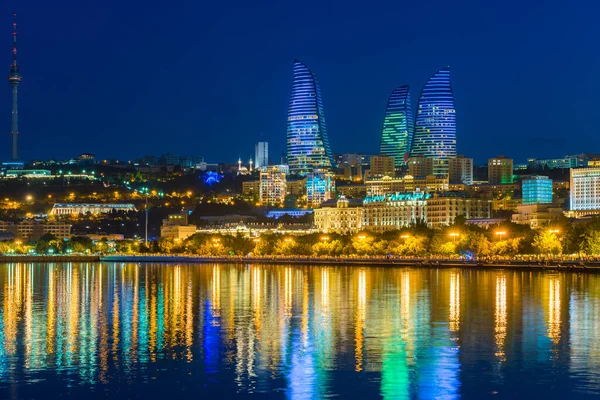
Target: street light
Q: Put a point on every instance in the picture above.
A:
(556, 231)
(324, 238)
(404, 236)
(500, 234)
(454, 235)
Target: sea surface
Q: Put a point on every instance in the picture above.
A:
(119, 330)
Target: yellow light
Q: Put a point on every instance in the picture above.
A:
(500, 233)
(454, 234)
(189, 193)
(557, 231)
(288, 240)
(404, 236)
(29, 197)
(324, 237)
(18, 242)
(362, 237)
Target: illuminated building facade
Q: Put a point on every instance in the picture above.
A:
(320, 187)
(32, 230)
(398, 126)
(552, 163)
(307, 141)
(460, 170)
(176, 227)
(537, 190)
(585, 191)
(500, 170)
(383, 165)
(443, 210)
(261, 154)
(420, 166)
(272, 186)
(341, 216)
(536, 215)
(408, 183)
(394, 211)
(84, 208)
(435, 122)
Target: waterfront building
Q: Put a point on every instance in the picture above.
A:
(536, 215)
(382, 165)
(261, 154)
(394, 211)
(320, 186)
(176, 227)
(536, 190)
(307, 141)
(339, 216)
(398, 126)
(553, 163)
(408, 183)
(435, 122)
(84, 208)
(28, 230)
(443, 209)
(420, 166)
(500, 170)
(460, 170)
(585, 191)
(273, 186)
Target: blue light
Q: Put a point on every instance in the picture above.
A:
(210, 178)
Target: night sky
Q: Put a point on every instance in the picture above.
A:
(123, 79)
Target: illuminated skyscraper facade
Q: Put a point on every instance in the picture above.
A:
(398, 126)
(307, 142)
(435, 123)
(14, 77)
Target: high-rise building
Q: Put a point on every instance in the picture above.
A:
(273, 186)
(398, 126)
(435, 123)
(15, 80)
(585, 191)
(500, 170)
(537, 190)
(261, 154)
(307, 141)
(320, 186)
(420, 166)
(382, 165)
(460, 170)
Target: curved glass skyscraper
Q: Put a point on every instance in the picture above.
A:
(398, 126)
(435, 123)
(307, 142)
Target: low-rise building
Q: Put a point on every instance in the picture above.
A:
(353, 191)
(505, 204)
(176, 227)
(340, 216)
(394, 211)
(28, 230)
(408, 183)
(83, 208)
(442, 210)
(536, 215)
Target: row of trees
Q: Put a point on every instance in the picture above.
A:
(506, 239)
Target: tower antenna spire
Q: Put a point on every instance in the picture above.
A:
(15, 79)
(15, 40)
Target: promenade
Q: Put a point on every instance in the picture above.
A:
(561, 265)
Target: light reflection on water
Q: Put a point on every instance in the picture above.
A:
(124, 330)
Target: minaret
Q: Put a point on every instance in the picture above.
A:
(15, 80)
(250, 164)
(239, 165)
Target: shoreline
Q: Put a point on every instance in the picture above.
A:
(575, 266)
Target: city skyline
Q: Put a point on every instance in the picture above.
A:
(70, 95)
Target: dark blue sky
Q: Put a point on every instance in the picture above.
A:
(123, 79)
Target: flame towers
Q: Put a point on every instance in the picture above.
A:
(435, 124)
(15, 79)
(307, 142)
(398, 125)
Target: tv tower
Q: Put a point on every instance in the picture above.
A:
(15, 80)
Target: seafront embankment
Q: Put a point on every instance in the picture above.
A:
(566, 265)
(48, 259)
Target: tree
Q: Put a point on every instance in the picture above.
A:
(546, 242)
(590, 242)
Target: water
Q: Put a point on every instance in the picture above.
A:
(154, 331)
